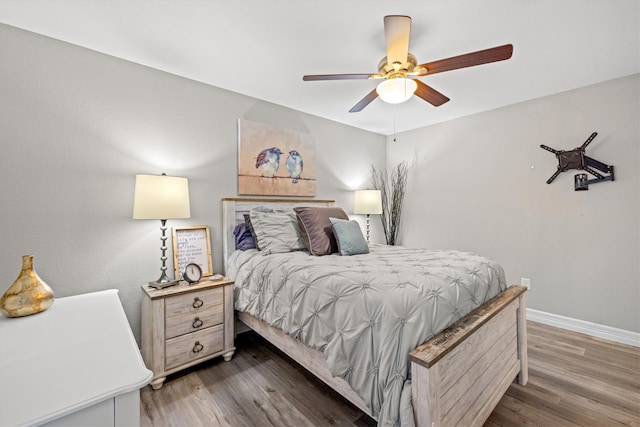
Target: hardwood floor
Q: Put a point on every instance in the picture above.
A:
(574, 380)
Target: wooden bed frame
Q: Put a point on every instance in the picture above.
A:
(458, 376)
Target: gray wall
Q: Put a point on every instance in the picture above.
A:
(76, 127)
(479, 184)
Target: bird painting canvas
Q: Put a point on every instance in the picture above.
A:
(275, 161)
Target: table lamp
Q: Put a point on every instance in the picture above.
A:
(161, 197)
(367, 202)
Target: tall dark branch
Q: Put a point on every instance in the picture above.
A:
(392, 189)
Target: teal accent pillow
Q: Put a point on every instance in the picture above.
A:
(349, 237)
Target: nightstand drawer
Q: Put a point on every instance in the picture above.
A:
(193, 302)
(190, 322)
(186, 348)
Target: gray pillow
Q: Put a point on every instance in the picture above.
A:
(276, 232)
(247, 220)
(349, 237)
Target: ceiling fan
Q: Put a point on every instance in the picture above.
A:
(399, 69)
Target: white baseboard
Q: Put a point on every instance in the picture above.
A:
(588, 328)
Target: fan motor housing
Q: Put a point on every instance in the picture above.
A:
(385, 68)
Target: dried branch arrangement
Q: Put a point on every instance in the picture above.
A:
(392, 188)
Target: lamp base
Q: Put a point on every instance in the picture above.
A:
(163, 281)
(162, 285)
(368, 228)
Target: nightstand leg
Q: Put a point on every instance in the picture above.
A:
(157, 383)
(228, 356)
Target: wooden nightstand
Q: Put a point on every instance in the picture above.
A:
(186, 324)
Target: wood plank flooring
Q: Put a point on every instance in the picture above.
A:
(574, 380)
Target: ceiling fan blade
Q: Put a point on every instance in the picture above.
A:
(485, 56)
(397, 29)
(429, 94)
(335, 77)
(364, 102)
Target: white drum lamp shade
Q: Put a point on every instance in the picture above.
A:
(367, 202)
(161, 197)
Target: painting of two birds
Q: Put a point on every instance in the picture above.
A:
(274, 161)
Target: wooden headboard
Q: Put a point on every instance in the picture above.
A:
(233, 210)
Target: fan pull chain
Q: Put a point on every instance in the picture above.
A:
(394, 121)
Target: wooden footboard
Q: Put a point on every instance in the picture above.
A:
(459, 376)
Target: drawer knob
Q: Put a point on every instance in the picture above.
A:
(197, 347)
(197, 323)
(197, 302)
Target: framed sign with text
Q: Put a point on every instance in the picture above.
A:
(192, 245)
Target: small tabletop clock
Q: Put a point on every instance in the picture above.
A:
(192, 273)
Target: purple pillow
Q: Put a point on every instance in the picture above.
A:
(316, 229)
(244, 238)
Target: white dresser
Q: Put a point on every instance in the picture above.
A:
(76, 364)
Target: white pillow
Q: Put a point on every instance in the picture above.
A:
(276, 232)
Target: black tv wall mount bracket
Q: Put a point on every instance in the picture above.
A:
(576, 159)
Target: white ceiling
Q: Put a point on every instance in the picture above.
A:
(262, 48)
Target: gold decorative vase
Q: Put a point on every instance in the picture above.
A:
(28, 295)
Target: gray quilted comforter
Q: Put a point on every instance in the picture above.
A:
(366, 312)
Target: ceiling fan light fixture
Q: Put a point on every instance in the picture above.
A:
(396, 90)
